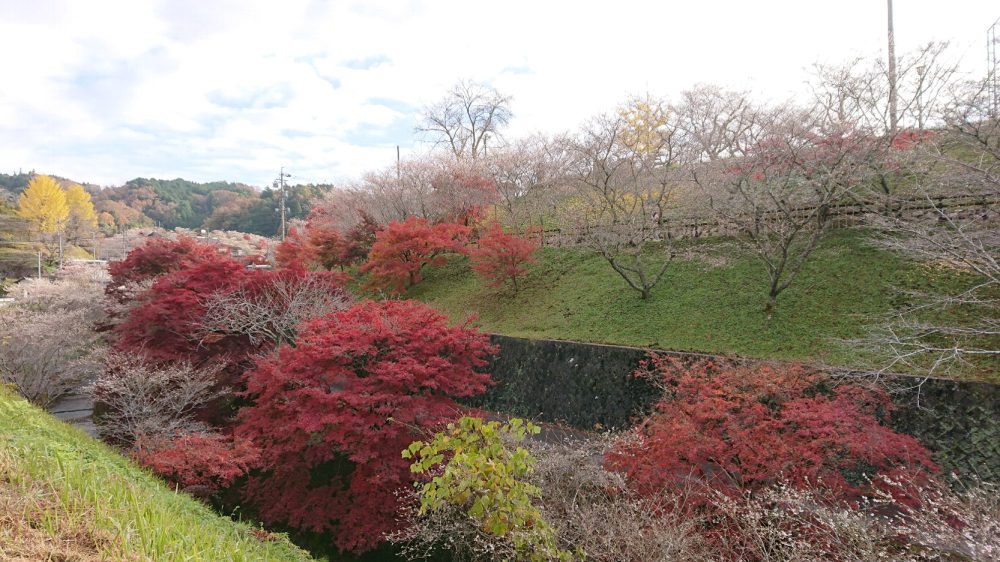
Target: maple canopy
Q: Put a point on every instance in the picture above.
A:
(331, 415)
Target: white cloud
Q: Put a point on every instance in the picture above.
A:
(108, 90)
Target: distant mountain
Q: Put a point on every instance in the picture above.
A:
(181, 203)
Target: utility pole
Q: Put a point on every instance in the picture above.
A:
(992, 72)
(893, 116)
(399, 172)
(280, 184)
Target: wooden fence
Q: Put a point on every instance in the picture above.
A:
(842, 214)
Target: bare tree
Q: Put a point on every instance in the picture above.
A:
(468, 119)
(46, 353)
(717, 123)
(855, 95)
(141, 399)
(857, 92)
(47, 339)
(270, 313)
(930, 335)
(777, 198)
(626, 166)
(432, 186)
(528, 176)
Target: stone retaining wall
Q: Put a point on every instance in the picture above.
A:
(589, 386)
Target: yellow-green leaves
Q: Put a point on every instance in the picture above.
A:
(488, 480)
(44, 204)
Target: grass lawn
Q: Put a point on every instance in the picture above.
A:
(710, 300)
(64, 496)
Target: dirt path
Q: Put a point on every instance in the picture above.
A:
(76, 409)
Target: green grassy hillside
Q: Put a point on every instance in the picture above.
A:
(711, 300)
(64, 496)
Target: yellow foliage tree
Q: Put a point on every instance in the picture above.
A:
(646, 120)
(44, 204)
(82, 217)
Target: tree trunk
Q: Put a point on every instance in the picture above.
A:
(772, 303)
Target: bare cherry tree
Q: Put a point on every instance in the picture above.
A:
(529, 176)
(270, 313)
(930, 335)
(45, 354)
(776, 199)
(857, 92)
(856, 95)
(142, 399)
(626, 166)
(468, 119)
(717, 123)
(431, 186)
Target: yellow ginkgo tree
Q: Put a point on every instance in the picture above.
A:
(43, 203)
(82, 217)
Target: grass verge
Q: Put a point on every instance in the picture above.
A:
(711, 300)
(65, 496)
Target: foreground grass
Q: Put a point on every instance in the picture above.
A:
(64, 496)
(711, 300)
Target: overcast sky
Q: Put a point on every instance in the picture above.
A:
(103, 91)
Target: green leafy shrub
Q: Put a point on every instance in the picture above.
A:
(486, 481)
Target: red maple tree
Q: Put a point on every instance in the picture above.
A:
(332, 414)
(294, 251)
(360, 238)
(403, 249)
(165, 324)
(500, 256)
(157, 256)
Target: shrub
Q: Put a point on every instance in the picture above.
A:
(331, 414)
(792, 522)
(157, 257)
(482, 490)
(200, 463)
(165, 325)
(742, 428)
(294, 250)
(268, 305)
(594, 511)
(360, 238)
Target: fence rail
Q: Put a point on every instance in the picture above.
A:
(843, 213)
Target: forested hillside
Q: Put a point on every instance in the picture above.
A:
(181, 203)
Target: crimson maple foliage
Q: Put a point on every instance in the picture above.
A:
(328, 247)
(207, 461)
(332, 414)
(740, 428)
(156, 257)
(294, 251)
(501, 256)
(403, 249)
(165, 324)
